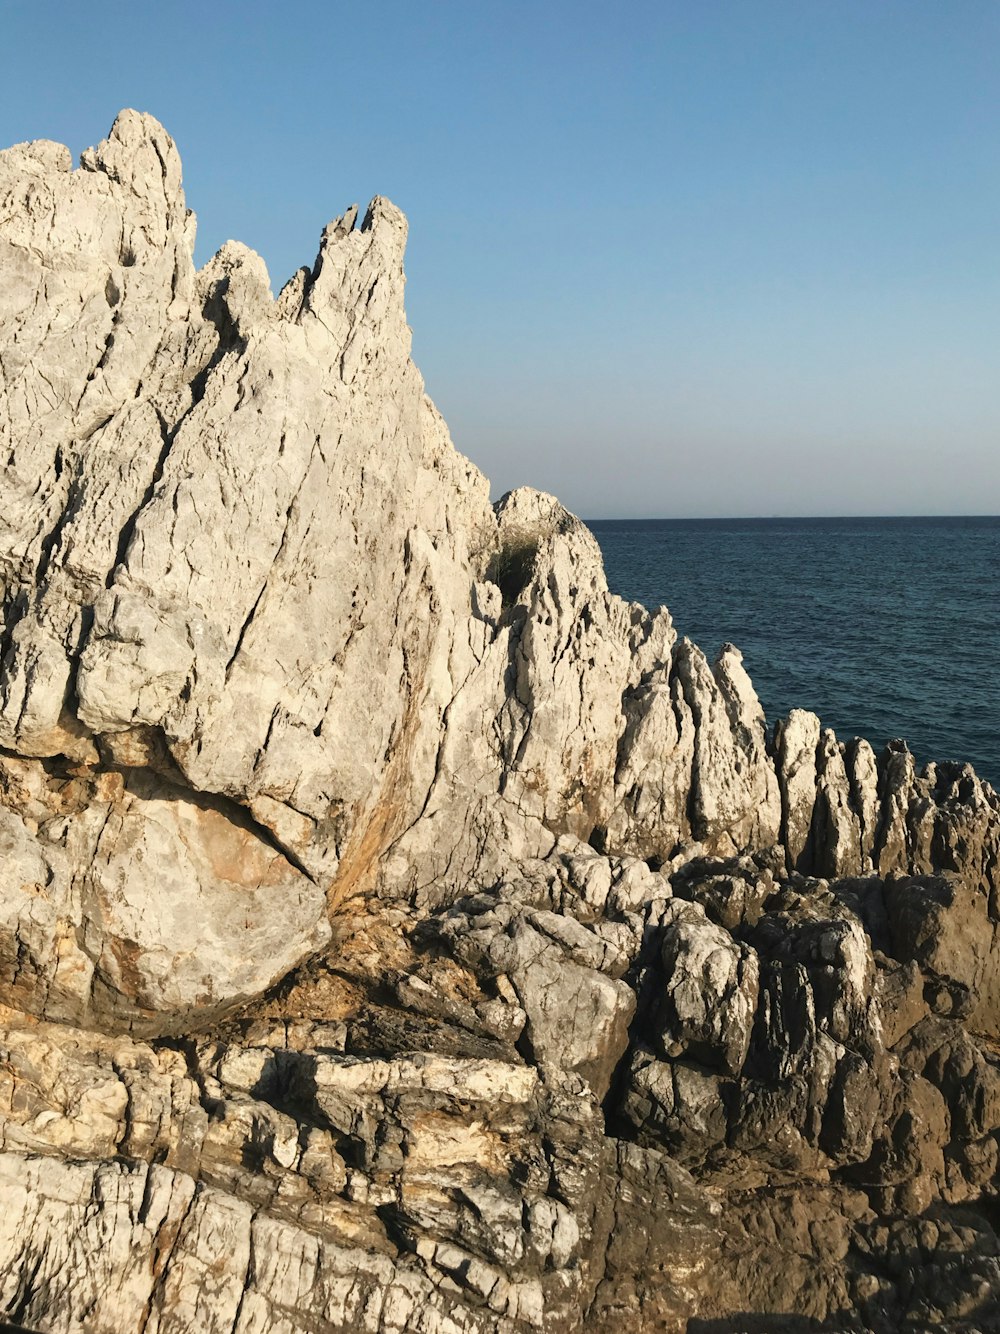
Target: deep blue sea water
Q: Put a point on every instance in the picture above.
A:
(884, 627)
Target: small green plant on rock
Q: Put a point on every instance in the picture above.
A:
(512, 567)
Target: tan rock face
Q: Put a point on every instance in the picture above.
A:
(399, 931)
(209, 494)
(241, 552)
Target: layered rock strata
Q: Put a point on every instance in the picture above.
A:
(398, 931)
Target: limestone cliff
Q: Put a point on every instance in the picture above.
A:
(398, 931)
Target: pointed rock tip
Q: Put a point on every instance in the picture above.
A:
(385, 222)
(124, 155)
(384, 211)
(343, 225)
(529, 516)
(527, 510)
(134, 126)
(234, 256)
(729, 656)
(380, 213)
(525, 503)
(237, 276)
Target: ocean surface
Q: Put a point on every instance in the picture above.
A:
(884, 627)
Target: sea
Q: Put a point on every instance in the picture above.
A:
(884, 627)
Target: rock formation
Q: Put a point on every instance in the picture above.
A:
(398, 931)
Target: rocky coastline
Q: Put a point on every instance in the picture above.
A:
(398, 931)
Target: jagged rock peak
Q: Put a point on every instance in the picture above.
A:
(217, 549)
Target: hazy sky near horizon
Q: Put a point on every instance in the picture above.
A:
(717, 257)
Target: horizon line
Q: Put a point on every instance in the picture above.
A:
(766, 518)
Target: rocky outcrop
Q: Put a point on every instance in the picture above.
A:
(398, 931)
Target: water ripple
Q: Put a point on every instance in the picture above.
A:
(884, 627)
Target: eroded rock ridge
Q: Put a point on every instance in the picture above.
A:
(398, 931)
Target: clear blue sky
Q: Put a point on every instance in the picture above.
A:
(711, 257)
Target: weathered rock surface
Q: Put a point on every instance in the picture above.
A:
(398, 931)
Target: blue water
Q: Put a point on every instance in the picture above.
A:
(884, 627)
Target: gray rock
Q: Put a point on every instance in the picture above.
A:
(710, 987)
